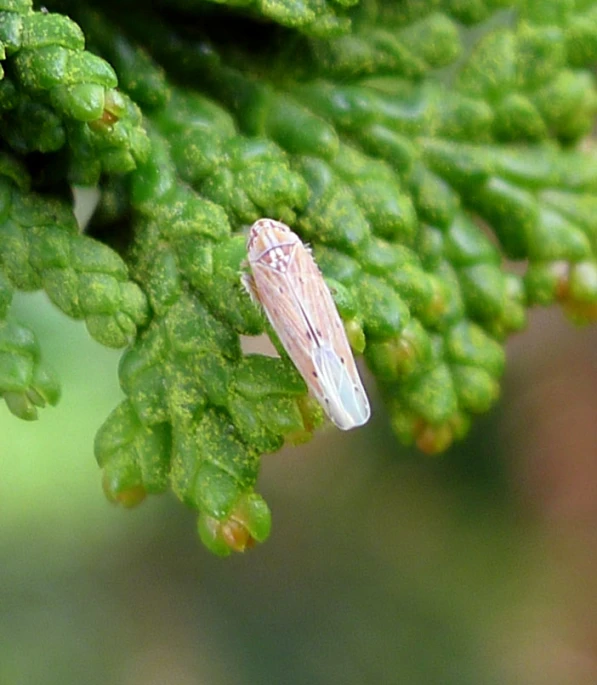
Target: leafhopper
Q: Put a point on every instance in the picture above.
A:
(287, 283)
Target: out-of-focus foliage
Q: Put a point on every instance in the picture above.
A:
(422, 148)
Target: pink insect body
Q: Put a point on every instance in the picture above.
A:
(289, 286)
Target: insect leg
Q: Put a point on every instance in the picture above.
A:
(249, 285)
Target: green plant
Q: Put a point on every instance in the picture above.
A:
(422, 148)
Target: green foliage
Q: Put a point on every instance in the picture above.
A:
(420, 160)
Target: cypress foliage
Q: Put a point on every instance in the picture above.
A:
(421, 148)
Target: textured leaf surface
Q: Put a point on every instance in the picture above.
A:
(418, 158)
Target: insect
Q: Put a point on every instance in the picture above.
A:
(287, 283)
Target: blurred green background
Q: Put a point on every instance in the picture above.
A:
(384, 566)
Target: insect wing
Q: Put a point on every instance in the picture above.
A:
(275, 293)
(339, 388)
(302, 311)
(344, 400)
